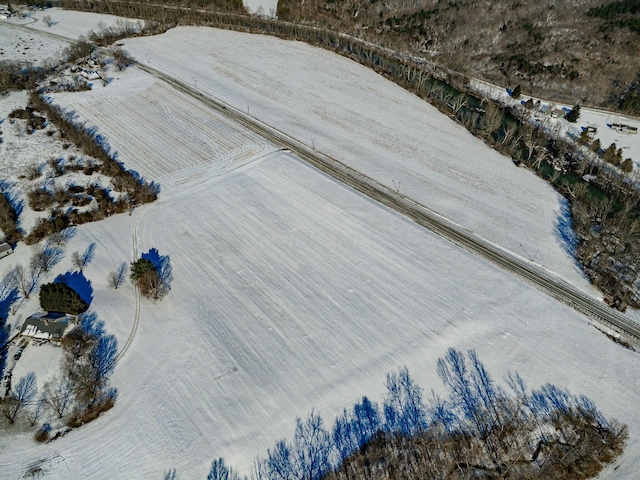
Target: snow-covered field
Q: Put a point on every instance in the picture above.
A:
(65, 23)
(163, 131)
(25, 47)
(290, 291)
(381, 130)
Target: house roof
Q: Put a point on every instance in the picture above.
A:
(5, 247)
(47, 326)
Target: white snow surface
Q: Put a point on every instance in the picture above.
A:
(290, 291)
(25, 47)
(353, 114)
(66, 23)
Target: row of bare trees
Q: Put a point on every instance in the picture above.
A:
(479, 430)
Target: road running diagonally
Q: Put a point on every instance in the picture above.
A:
(533, 274)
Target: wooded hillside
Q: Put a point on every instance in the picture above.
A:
(576, 51)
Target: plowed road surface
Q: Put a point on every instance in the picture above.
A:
(530, 272)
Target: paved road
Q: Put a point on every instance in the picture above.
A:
(530, 272)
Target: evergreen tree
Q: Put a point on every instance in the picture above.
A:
(516, 92)
(584, 137)
(139, 268)
(627, 165)
(573, 115)
(59, 297)
(609, 155)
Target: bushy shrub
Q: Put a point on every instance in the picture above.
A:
(42, 435)
(85, 415)
(39, 199)
(9, 218)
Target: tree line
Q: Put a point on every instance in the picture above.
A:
(480, 429)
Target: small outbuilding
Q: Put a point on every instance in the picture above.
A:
(5, 249)
(623, 128)
(47, 326)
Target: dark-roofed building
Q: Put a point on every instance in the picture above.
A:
(46, 326)
(5, 249)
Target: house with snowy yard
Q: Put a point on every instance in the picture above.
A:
(47, 326)
(5, 249)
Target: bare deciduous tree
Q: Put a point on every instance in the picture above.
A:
(122, 58)
(117, 278)
(59, 397)
(60, 239)
(34, 414)
(25, 282)
(490, 120)
(44, 258)
(152, 286)
(23, 393)
(81, 260)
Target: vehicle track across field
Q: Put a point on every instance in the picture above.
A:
(134, 255)
(533, 274)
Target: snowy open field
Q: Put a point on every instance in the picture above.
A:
(163, 131)
(290, 291)
(381, 130)
(66, 23)
(25, 47)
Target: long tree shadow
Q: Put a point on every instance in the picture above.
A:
(565, 233)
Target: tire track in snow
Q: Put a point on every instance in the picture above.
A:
(134, 256)
(143, 211)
